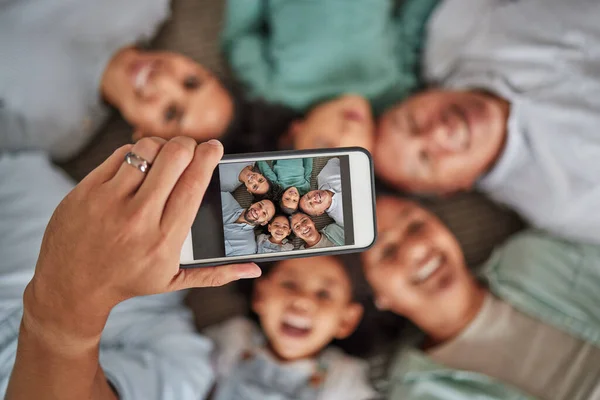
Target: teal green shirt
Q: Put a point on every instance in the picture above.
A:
(548, 279)
(335, 233)
(301, 52)
(287, 173)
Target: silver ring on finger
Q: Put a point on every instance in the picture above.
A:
(136, 161)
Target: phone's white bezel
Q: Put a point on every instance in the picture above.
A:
(363, 211)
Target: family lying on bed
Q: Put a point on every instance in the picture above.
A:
(511, 109)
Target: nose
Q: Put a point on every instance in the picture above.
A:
(302, 302)
(415, 251)
(165, 85)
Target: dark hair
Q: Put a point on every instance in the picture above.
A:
(274, 193)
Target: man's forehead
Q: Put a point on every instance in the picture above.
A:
(392, 212)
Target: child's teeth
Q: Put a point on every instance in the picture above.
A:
(298, 322)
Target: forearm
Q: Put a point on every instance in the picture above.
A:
(57, 363)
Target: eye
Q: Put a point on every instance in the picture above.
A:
(415, 227)
(389, 252)
(170, 113)
(412, 125)
(191, 83)
(323, 294)
(289, 285)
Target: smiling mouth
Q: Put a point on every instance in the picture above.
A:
(318, 198)
(254, 214)
(305, 231)
(353, 115)
(296, 326)
(428, 268)
(141, 74)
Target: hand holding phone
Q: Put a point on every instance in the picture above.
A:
(271, 206)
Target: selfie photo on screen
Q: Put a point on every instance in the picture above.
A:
(282, 205)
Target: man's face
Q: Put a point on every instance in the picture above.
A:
(256, 183)
(303, 306)
(305, 228)
(440, 141)
(279, 228)
(260, 213)
(416, 267)
(316, 202)
(342, 122)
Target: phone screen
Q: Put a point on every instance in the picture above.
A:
(275, 206)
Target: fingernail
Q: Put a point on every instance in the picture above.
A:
(253, 273)
(215, 142)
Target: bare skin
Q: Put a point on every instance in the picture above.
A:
(88, 263)
(417, 270)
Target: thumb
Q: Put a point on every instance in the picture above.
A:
(213, 276)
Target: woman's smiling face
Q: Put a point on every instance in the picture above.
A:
(166, 94)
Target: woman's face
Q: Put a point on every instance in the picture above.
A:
(416, 268)
(342, 122)
(166, 94)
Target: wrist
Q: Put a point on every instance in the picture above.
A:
(61, 327)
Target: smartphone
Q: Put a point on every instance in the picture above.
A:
(286, 204)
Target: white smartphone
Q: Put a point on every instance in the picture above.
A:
(272, 206)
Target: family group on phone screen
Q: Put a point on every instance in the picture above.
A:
(273, 206)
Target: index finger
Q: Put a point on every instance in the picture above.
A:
(183, 203)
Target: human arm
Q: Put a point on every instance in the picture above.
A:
(330, 177)
(267, 171)
(89, 263)
(308, 167)
(335, 233)
(244, 43)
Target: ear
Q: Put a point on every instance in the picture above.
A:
(258, 295)
(264, 223)
(351, 317)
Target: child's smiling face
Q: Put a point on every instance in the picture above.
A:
(342, 122)
(290, 198)
(303, 305)
(279, 228)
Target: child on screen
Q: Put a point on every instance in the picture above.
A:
(279, 229)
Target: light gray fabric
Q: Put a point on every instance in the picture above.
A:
(239, 237)
(53, 57)
(229, 175)
(149, 349)
(330, 178)
(324, 242)
(551, 365)
(543, 56)
(266, 246)
(262, 377)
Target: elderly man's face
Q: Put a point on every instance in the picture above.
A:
(305, 228)
(260, 213)
(416, 267)
(440, 141)
(316, 202)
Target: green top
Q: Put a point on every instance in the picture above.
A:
(548, 279)
(301, 52)
(290, 172)
(335, 233)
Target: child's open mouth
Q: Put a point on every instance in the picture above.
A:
(296, 326)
